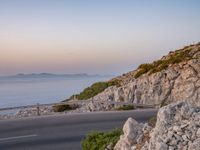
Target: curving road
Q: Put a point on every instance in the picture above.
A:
(61, 132)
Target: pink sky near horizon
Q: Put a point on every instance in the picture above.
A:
(92, 37)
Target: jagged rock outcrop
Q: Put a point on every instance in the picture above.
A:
(133, 134)
(176, 82)
(177, 128)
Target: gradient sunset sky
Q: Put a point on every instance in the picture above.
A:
(92, 36)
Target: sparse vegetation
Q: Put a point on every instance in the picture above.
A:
(163, 103)
(175, 57)
(99, 140)
(95, 89)
(61, 108)
(143, 68)
(152, 121)
(125, 107)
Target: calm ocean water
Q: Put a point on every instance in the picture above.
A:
(24, 91)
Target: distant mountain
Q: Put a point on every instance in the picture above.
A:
(50, 75)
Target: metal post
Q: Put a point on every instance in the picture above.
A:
(38, 109)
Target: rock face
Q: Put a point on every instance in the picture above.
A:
(132, 134)
(177, 128)
(178, 82)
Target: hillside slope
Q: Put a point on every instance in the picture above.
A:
(175, 77)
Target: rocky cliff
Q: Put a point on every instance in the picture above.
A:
(177, 127)
(175, 77)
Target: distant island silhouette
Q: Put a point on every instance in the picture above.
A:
(52, 75)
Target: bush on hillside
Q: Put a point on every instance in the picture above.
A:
(176, 57)
(152, 121)
(99, 140)
(125, 107)
(163, 103)
(95, 89)
(61, 108)
(143, 68)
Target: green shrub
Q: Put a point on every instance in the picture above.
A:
(99, 140)
(176, 57)
(152, 121)
(61, 108)
(163, 103)
(125, 107)
(95, 89)
(73, 97)
(143, 68)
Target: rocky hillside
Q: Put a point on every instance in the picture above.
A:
(175, 77)
(177, 128)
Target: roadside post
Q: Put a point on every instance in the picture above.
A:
(38, 109)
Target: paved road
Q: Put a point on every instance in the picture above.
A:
(61, 132)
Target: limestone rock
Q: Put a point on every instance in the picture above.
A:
(177, 128)
(195, 145)
(178, 82)
(132, 133)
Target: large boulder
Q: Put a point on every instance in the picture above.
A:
(177, 128)
(132, 134)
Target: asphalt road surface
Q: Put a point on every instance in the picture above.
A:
(61, 132)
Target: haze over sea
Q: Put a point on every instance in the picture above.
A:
(93, 36)
(26, 91)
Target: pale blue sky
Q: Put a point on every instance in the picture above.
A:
(92, 36)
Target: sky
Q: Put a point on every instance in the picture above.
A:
(92, 36)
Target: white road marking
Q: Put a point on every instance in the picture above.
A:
(17, 137)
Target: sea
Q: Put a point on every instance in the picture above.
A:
(27, 91)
